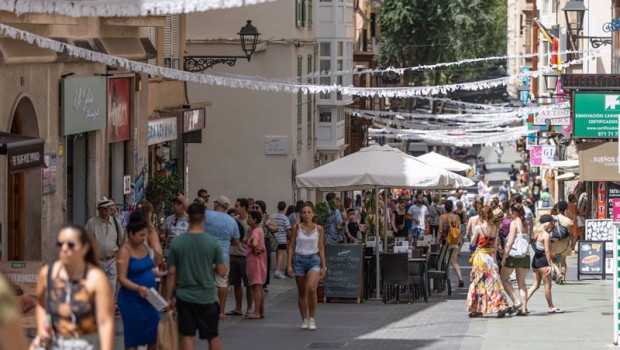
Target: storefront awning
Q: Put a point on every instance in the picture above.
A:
(23, 152)
(566, 176)
(16, 51)
(565, 165)
(129, 48)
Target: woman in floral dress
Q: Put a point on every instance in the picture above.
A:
(486, 294)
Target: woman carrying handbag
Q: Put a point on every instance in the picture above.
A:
(75, 308)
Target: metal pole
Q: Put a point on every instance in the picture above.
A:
(378, 267)
(385, 226)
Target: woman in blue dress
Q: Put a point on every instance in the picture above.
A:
(135, 275)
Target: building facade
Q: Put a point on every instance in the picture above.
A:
(255, 142)
(90, 120)
(334, 34)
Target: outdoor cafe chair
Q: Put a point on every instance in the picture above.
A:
(418, 277)
(441, 276)
(395, 276)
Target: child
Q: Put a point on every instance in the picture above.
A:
(353, 228)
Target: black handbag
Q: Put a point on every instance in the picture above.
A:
(559, 232)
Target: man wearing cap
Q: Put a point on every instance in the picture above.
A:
(108, 235)
(224, 228)
(176, 223)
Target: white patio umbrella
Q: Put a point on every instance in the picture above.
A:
(436, 159)
(377, 167)
(380, 166)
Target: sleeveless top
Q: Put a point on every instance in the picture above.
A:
(71, 307)
(485, 241)
(307, 243)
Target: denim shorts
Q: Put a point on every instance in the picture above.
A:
(302, 264)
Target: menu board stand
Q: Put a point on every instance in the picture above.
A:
(591, 259)
(344, 271)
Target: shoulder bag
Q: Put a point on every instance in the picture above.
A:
(520, 246)
(559, 231)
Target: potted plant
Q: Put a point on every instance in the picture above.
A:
(161, 189)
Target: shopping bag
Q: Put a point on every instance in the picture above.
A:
(168, 332)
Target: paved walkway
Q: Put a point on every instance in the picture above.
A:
(440, 324)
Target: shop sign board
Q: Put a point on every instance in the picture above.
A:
(542, 155)
(596, 114)
(553, 117)
(119, 109)
(84, 104)
(590, 81)
(613, 201)
(23, 276)
(616, 285)
(194, 119)
(162, 130)
(598, 161)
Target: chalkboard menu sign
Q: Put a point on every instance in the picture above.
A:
(344, 271)
(591, 260)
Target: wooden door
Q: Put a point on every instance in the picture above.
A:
(15, 223)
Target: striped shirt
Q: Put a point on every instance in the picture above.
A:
(283, 224)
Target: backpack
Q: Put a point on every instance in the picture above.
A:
(454, 233)
(520, 247)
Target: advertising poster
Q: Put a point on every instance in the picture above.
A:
(23, 275)
(119, 109)
(536, 156)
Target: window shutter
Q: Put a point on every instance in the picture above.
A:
(310, 105)
(153, 38)
(298, 13)
(309, 13)
(172, 41)
(303, 12)
(299, 103)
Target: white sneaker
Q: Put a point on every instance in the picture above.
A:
(304, 324)
(311, 324)
(277, 274)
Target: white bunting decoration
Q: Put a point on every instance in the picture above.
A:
(260, 83)
(401, 71)
(521, 111)
(119, 8)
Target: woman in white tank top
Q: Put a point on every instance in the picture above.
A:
(306, 261)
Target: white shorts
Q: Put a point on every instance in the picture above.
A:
(222, 282)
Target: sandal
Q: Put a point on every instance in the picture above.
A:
(475, 314)
(251, 317)
(514, 308)
(555, 311)
(559, 279)
(233, 313)
(501, 313)
(461, 284)
(521, 313)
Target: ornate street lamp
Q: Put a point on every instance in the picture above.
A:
(551, 80)
(574, 11)
(249, 39)
(524, 93)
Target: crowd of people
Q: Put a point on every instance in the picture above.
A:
(113, 265)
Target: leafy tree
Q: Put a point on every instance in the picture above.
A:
(416, 32)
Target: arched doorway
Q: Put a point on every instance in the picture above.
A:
(24, 194)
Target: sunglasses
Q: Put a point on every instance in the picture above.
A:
(70, 245)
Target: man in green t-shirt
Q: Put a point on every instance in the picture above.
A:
(190, 272)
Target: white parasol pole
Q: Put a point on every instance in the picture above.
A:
(378, 266)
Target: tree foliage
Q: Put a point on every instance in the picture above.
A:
(415, 32)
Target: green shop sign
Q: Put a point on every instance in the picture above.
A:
(596, 114)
